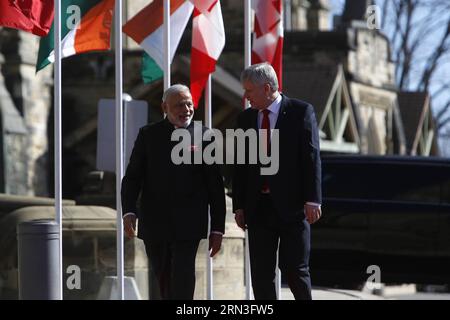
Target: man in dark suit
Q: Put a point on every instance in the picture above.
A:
(277, 209)
(174, 199)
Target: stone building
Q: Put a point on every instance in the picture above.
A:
(25, 103)
(344, 70)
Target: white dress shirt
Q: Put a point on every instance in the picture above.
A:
(274, 109)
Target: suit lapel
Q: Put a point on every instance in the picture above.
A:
(254, 120)
(282, 113)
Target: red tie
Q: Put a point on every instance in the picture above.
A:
(265, 126)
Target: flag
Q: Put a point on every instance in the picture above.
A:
(150, 70)
(30, 16)
(208, 41)
(85, 26)
(146, 28)
(268, 36)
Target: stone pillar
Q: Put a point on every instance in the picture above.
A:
(299, 10)
(136, 265)
(31, 94)
(318, 15)
(228, 265)
(13, 135)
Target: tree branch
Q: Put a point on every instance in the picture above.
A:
(434, 59)
(407, 53)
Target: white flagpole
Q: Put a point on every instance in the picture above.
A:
(119, 146)
(247, 63)
(209, 262)
(166, 44)
(57, 133)
(278, 276)
(208, 111)
(278, 271)
(248, 38)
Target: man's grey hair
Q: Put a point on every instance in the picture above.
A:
(259, 74)
(176, 88)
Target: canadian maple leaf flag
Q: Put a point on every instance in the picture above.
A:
(30, 16)
(208, 41)
(268, 36)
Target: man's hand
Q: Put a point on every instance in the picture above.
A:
(129, 226)
(239, 217)
(312, 213)
(215, 242)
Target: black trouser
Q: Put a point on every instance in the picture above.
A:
(173, 264)
(294, 245)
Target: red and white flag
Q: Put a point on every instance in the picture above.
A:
(268, 37)
(208, 41)
(146, 28)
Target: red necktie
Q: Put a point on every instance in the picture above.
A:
(265, 126)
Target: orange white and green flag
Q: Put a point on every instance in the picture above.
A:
(85, 27)
(147, 29)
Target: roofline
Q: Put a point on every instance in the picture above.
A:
(425, 109)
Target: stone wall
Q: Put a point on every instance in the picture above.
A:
(31, 94)
(228, 265)
(13, 140)
(375, 108)
(370, 62)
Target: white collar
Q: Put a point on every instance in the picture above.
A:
(274, 106)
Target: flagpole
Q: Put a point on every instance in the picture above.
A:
(278, 271)
(247, 63)
(57, 133)
(209, 262)
(278, 275)
(119, 146)
(166, 44)
(248, 38)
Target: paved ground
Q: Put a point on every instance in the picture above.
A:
(332, 294)
(401, 292)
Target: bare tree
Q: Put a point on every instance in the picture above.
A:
(419, 32)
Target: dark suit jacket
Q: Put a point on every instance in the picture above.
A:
(174, 199)
(299, 176)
